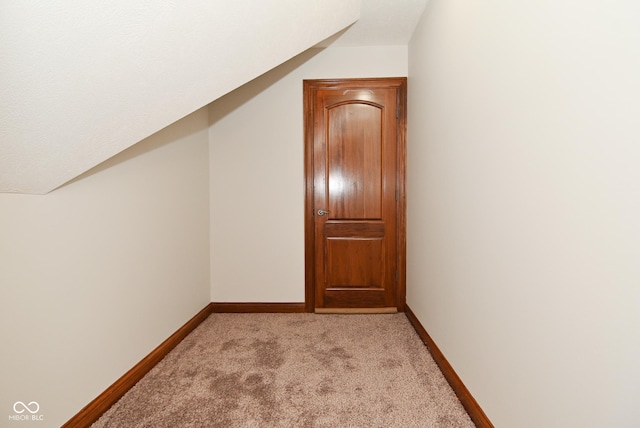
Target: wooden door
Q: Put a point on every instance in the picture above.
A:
(355, 165)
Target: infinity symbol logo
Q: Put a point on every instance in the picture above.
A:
(26, 407)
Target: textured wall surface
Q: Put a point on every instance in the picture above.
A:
(81, 81)
(98, 273)
(257, 173)
(523, 232)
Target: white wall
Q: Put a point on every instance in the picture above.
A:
(524, 205)
(93, 78)
(257, 173)
(96, 274)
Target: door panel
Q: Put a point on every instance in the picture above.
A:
(353, 135)
(354, 155)
(363, 268)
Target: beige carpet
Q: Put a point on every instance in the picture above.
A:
(293, 370)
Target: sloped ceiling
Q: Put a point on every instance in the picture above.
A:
(381, 23)
(81, 81)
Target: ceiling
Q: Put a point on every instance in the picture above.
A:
(381, 23)
(80, 82)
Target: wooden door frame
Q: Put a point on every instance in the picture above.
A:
(309, 88)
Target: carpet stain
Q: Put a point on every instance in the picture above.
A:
(230, 393)
(189, 372)
(199, 413)
(230, 345)
(269, 353)
(225, 385)
(326, 387)
(390, 363)
(449, 421)
(335, 355)
(293, 370)
(256, 387)
(308, 419)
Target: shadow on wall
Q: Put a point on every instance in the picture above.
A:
(236, 98)
(174, 132)
(218, 109)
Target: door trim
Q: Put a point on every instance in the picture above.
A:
(309, 87)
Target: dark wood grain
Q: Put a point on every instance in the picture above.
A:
(372, 228)
(258, 307)
(401, 176)
(354, 161)
(92, 411)
(309, 213)
(354, 153)
(353, 298)
(468, 402)
(365, 267)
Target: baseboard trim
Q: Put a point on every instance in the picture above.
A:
(468, 402)
(272, 308)
(92, 411)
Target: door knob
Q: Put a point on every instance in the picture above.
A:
(323, 212)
